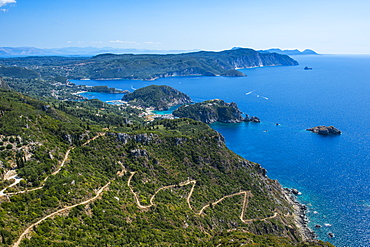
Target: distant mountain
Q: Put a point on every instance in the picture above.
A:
(150, 66)
(291, 52)
(77, 51)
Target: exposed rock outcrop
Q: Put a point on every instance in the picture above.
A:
(144, 138)
(4, 84)
(254, 120)
(325, 130)
(216, 110)
(300, 217)
(211, 111)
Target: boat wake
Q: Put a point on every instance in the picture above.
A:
(257, 95)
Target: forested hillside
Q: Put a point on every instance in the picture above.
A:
(86, 177)
(147, 67)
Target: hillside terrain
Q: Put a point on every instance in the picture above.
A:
(211, 111)
(159, 97)
(145, 67)
(80, 174)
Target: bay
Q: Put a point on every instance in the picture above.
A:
(332, 172)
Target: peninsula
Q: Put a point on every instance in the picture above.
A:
(211, 111)
(147, 66)
(159, 97)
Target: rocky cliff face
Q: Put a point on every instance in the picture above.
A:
(4, 84)
(211, 111)
(256, 59)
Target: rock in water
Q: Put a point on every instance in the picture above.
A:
(325, 130)
(254, 120)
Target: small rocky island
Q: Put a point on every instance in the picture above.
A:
(211, 111)
(325, 130)
(161, 98)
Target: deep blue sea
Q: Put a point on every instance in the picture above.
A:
(332, 172)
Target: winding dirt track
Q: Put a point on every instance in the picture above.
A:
(247, 194)
(29, 229)
(53, 173)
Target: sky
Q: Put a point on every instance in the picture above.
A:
(326, 26)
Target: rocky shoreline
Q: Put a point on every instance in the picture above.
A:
(300, 217)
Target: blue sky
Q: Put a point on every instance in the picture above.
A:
(327, 26)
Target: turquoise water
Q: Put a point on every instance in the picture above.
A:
(332, 172)
(103, 96)
(169, 111)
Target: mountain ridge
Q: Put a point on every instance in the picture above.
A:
(291, 52)
(78, 51)
(149, 66)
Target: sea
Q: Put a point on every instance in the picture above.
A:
(331, 172)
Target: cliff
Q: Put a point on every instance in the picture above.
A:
(202, 63)
(4, 84)
(211, 111)
(159, 97)
(150, 66)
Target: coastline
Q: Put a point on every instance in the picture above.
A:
(300, 217)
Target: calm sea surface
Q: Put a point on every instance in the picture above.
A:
(332, 172)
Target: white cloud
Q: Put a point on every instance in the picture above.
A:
(120, 41)
(153, 43)
(4, 10)
(3, 2)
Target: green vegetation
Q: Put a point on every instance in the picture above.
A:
(65, 155)
(159, 97)
(44, 89)
(211, 111)
(4, 84)
(17, 72)
(65, 151)
(46, 78)
(104, 89)
(149, 67)
(233, 72)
